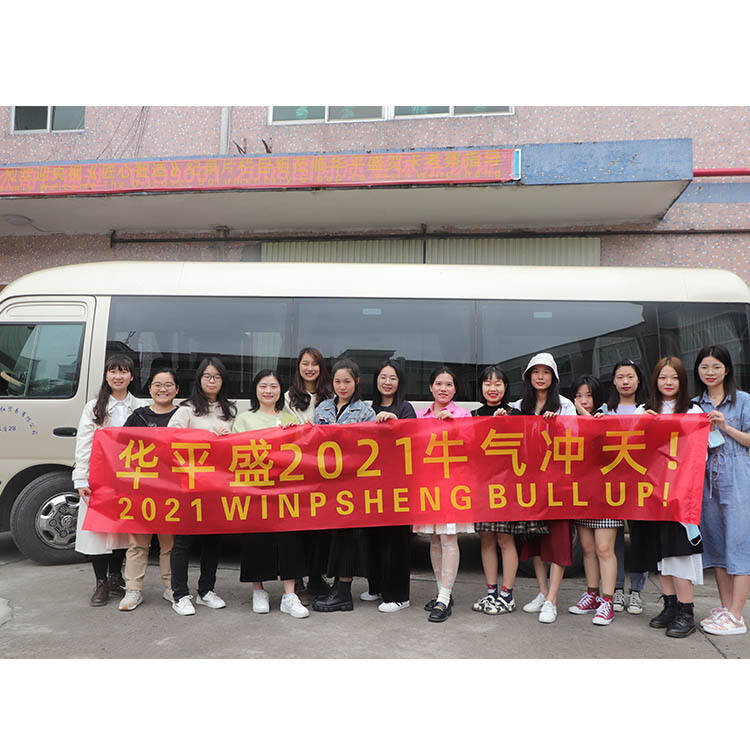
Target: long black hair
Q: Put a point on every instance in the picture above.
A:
(594, 385)
(353, 367)
(656, 401)
(641, 392)
(198, 399)
(528, 397)
(299, 398)
(399, 396)
(254, 400)
(117, 361)
(498, 372)
(717, 351)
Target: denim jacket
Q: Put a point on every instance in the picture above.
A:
(355, 411)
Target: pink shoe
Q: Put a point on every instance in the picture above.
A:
(715, 612)
(725, 624)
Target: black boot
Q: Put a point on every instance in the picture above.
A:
(684, 624)
(670, 611)
(339, 599)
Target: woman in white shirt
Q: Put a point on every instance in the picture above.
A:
(541, 396)
(664, 545)
(111, 408)
(208, 408)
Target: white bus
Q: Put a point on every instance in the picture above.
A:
(58, 325)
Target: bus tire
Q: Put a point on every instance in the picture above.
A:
(43, 520)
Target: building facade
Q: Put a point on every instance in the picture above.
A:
(610, 186)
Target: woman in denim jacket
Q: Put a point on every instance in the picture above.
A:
(347, 548)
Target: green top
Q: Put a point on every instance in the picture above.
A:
(257, 420)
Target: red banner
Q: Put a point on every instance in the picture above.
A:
(267, 171)
(399, 472)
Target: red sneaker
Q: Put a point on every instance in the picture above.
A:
(587, 603)
(605, 613)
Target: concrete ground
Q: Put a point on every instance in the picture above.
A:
(47, 616)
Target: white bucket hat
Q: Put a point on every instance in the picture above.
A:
(543, 358)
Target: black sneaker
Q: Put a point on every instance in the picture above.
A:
(667, 615)
(684, 624)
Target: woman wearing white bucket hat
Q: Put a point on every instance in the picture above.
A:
(541, 396)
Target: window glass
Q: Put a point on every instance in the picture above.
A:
(411, 111)
(355, 113)
(289, 114)
(686, 329)
(248, 335)
(480, 110)
(422, 333)
(584, 337)
(30, 118)
(40, 361)
(67, 118)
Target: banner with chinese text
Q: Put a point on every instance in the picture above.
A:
(399, 472)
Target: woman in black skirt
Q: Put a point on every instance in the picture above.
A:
(277, 554)
(389, 545)
(664, 545)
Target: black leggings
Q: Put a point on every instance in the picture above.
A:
(111, 562)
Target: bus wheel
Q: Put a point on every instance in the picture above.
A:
(43, 520)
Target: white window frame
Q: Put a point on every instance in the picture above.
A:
(48, 129)
(388, 114)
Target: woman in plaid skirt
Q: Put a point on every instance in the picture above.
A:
(499, 533)
(597, 535)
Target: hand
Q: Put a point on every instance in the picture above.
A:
(650, 411)
(548, 415)
(717, 419)
(598, 414)
(384, 416)
(500, 412)
(287, 425)
(223, 431)
(444, 414)
(579, 408)
(84, 492)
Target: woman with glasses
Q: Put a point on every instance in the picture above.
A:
(725, 516)
(208, 408)
(163, 389)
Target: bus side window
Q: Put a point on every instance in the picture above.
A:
(40, 361)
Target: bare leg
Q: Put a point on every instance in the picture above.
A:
(740, 591)
(488, 541)
(590, 563)
(724, 583)
(604, 541)
(510, 559)
(540, 571)
(556, 573)
(289, 586)
(683, 588)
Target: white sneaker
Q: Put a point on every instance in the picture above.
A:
(635, 606)
(291, 605)
(548, 612)
(392, 606)
(184, 606)
(366, 596)
(167, 594)
(260, 602)
(210, 600)
(535, 604)
(618, 601)
(131, 600)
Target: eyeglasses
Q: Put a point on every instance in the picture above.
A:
(211, 378)
(388, 378)
(162, 386)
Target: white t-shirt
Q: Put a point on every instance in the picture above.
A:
(567, 407)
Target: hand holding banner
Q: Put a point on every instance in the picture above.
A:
(167, 480)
